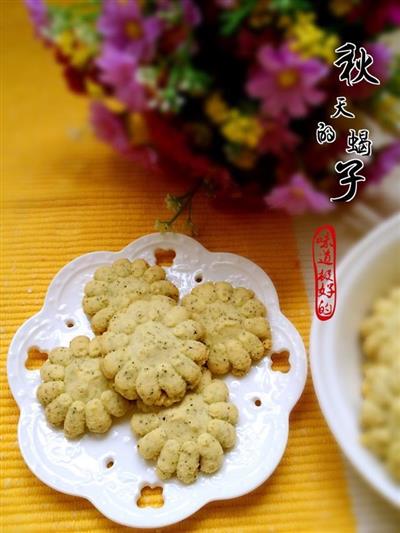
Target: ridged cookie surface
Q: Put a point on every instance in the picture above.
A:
(115, 286)
(152, 351)
(190, 437)
(236, 330)
(75, 393)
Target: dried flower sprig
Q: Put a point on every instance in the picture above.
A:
(180, 205)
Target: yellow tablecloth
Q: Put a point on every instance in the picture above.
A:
(65, 194)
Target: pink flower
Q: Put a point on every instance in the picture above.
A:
(277, 137)
(108, 127)
(384, 162)
(393, 14)
(376, 16)
(382, 58)
(38, 14)
(285, 83)
(297, 197)
(227, 4)
(123, 25)
(191, 13)
(119, 70)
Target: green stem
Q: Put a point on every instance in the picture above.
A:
(186, 204)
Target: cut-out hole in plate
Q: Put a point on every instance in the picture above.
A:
(198, 278)
(109, 462)
(36, 358)
(257, 402)
(70, 323)
(164, 257)
(280, 361)
(150, 497)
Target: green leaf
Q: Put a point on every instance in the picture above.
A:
(80, 17)
(232, 18)
(289, 6)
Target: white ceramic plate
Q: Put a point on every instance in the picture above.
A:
(80, 467)
(367, 272)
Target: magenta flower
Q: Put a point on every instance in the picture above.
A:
(285, 83)
(119, 69)
(277, 137)
(123, 26)
(108, 127)
(393, 13)
(297, 197)
(382, 58)
(383, 163)
(191, 13)
(38, 14)
(226, 4)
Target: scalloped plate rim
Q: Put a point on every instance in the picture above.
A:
(151, 516)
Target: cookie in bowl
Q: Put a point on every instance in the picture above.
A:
(380, 409)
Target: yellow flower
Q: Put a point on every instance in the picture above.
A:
(114, 105)
(341, 7)
(77, 51)
(65, 42)
(139, 133)
(216, 109)
(95, 90)
(81, 54)
(309, 40)
(242, 129)
(244, 159)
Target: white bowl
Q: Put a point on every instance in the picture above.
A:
(370, 269)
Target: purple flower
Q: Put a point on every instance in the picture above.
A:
(191, 13)
(297, 197)
(108, 127)
(123, 25)
(382, 59)
(38, 14)
(119, 70)
(226, 4)
(384, 162)
(277, 137)
(393, 14)
(285, 83)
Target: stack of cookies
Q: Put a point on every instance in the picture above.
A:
(161, 356)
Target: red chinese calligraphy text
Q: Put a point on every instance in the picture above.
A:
(324, 262)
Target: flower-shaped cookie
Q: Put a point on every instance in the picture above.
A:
(189, 437)
(115, 286)
(235, 328)
(75, 393)
(152, 351)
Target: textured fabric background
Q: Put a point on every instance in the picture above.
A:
(64, 194)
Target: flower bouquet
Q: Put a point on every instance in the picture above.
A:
(230, 92)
